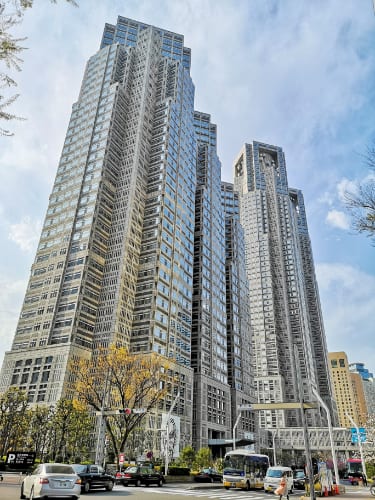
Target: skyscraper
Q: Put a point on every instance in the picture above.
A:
(239, 332)
(289, 346)
(143, 246)
(211, 409)
(115, 259)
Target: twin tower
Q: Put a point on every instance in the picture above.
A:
(144, 246)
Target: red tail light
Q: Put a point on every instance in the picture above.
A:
(43, 480)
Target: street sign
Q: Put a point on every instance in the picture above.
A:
(362, 434)
(20, 458)
(121, 458)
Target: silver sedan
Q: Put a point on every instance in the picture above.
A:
(51, 480)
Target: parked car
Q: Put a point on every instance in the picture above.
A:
(208, 476)
(299, 479)
(138, 475)
(94, 477)
(119, 476)
(51, 480)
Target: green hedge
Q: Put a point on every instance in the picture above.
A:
(178, 471)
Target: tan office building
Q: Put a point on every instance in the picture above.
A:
(347, 390)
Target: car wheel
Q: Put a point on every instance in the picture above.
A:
(109, 486)
(124, 483)
(138, 482)
(86, 487)
(22, 495)
(160, 483)
(226, 487)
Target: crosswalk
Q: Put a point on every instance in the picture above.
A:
(217, 494)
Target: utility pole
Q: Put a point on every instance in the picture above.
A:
(100, 443)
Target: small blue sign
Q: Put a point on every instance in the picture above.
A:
(362, 434)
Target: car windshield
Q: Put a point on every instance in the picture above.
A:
(274, 473)
(79, 467)
(206, 471)
(300, 473)
(131, 469)
(59, 469)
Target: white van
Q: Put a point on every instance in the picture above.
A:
(273, 477)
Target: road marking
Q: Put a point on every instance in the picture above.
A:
(222, 495)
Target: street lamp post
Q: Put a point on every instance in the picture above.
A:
(359, 443)
(305, 428)
(239, 408)
(274, 445)
(329, 422)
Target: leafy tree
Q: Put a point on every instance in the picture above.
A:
(11, 15)
(187, 457)
(116, 379)
(13, 420)
(39, 427)
(70, 428)
(361, 203)
(203, 458)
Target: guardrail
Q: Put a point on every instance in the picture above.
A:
(11, 477)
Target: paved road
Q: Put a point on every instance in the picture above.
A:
(181, 491)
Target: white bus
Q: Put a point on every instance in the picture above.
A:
(244, 469)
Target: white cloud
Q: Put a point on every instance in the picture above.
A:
(26, 233)
(287, 73)
(338, 219)
(348, 303)
(346, 186)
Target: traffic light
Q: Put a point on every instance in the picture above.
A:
(125, 411)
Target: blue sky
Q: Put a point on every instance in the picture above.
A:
(298, 74)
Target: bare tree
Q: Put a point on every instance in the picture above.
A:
(361, 203)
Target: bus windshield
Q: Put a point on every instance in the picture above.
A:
(246, 464)
(354, 466)
(233, 463)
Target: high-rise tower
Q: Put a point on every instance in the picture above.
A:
(211, 410)
(239, 332)
(115, 259)
(289, 345)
